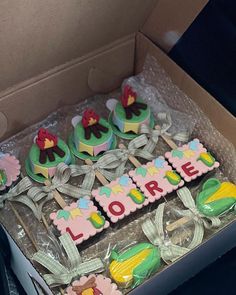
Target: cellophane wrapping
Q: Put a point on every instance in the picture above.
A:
(158, 90)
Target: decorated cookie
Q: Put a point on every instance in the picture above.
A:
(156, 179)
(119, 198)
(81, 220)
(93, 285)
(129, 114)
(216, 197)
(9, 170)
(92, 136)
(45, 154)
(192, 160)
(133, 266)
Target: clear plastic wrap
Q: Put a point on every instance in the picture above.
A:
(152, 83)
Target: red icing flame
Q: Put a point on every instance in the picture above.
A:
(89, 118)
(43, 137)
(128, 97)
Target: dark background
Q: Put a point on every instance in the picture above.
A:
(207, 52)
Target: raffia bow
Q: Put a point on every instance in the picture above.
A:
(103, 165)
(60, 274)
(15, 195)
(62, 175)
(153, 136)
(155, 233)
(165, 124)
(133, 149)
(200, 220)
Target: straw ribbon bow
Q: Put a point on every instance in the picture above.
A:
(59, 182)
(200, 220)
(103, 165)
(60, 274)
(153, 136)
(133, 149)
(165, 124)
(15, 195)
(155, 233)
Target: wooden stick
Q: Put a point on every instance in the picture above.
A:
(132, 159)
(57, 197)
(45, 223)
(167, 139)
(99, 175)
(178, 223)
(18, 217)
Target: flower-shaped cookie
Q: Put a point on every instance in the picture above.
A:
(9, 170)
(93, 285)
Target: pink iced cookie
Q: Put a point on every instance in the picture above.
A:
(81, 220)
(94, 285)
(156, 179)
(192, 160)
(119, 198)
(10, 170)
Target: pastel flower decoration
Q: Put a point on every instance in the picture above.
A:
(93, 285)
(9, 170)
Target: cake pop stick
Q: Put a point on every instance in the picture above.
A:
(15, 195)
(24, 226)
(57, 197)
(98, 174)
(80, 219)
(130, 152)
(167, 139)
(52, 188)
(104, 169)
(132, 159)
(197, 213)
(162, 130)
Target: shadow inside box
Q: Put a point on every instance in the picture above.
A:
(218, 278)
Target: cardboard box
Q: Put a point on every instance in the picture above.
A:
(56, 52)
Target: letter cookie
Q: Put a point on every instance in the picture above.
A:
(119, 198)
(81, 220)
(156, 179)
(192, 160)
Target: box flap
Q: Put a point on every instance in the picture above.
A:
(170, 19)
(36, 36)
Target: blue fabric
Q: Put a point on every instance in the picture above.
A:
(9, 284)
(207, 51)
(218, 278)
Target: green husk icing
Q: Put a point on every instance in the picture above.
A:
(214, 208)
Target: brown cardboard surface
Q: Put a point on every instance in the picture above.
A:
(34, 99)
(36, 36)
(224, 121)
(170, 19)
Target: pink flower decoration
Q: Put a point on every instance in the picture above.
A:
(103, 284)
(11, 166)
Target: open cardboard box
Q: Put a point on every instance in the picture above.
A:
(54, 53)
